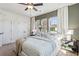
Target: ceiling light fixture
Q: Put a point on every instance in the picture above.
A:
(30, 7)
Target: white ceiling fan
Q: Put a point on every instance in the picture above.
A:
(31, 6)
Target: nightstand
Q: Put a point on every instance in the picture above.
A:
(68, 45)
(32, 35)
(76, 46)
(72, 46)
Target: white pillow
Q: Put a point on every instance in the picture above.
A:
(52, 33)
(46, 35)
(43, 34)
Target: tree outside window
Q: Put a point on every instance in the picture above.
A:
(53, 24)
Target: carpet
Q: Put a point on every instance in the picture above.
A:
(9, 50)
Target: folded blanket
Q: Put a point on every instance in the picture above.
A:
(19, 43)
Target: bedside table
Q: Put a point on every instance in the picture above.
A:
(76, 47)
(67, 45)
(32, 34)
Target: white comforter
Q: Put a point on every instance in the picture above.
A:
(39, 46)
(34, 46)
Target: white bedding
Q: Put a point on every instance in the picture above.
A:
(37, 47)
(40, 46)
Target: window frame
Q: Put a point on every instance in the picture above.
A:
(49, 19)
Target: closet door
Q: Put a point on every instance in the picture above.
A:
(1, 30)
(7, 36)
(14, 29)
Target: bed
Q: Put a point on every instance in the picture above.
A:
(38, 45)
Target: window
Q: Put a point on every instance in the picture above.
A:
(53, 24)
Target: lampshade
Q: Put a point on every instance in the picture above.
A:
(34, 30)
(40, 26)
(70, 32)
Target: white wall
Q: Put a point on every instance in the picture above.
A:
(13, 26)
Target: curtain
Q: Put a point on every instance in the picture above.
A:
(32, 24)
(37, 24)
(63, 20)
(44, 25)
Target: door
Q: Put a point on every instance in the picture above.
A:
(1, 30)
(14, 29)
(6, 24)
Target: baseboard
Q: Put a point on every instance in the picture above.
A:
(8, 44)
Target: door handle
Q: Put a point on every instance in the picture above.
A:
(1, 33)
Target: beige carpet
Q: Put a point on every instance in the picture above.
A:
(64, 52)
(9, 50)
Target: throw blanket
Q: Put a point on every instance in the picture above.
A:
(19, 43)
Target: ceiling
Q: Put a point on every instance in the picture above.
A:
(20, 9)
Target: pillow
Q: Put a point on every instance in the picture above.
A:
(52, 33)
(43, 34)
(46, 35)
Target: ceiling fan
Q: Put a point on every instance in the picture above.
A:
(31, 6)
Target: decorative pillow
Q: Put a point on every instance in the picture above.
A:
(52, 33)
(46, 35)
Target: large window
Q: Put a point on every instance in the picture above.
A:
(53, 24)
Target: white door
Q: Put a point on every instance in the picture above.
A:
(14, 32)
(1, 30)
(7, 36)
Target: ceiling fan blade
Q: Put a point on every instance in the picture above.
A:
(35, 9)
(38, 4)
(23, 3)
(26, 9)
